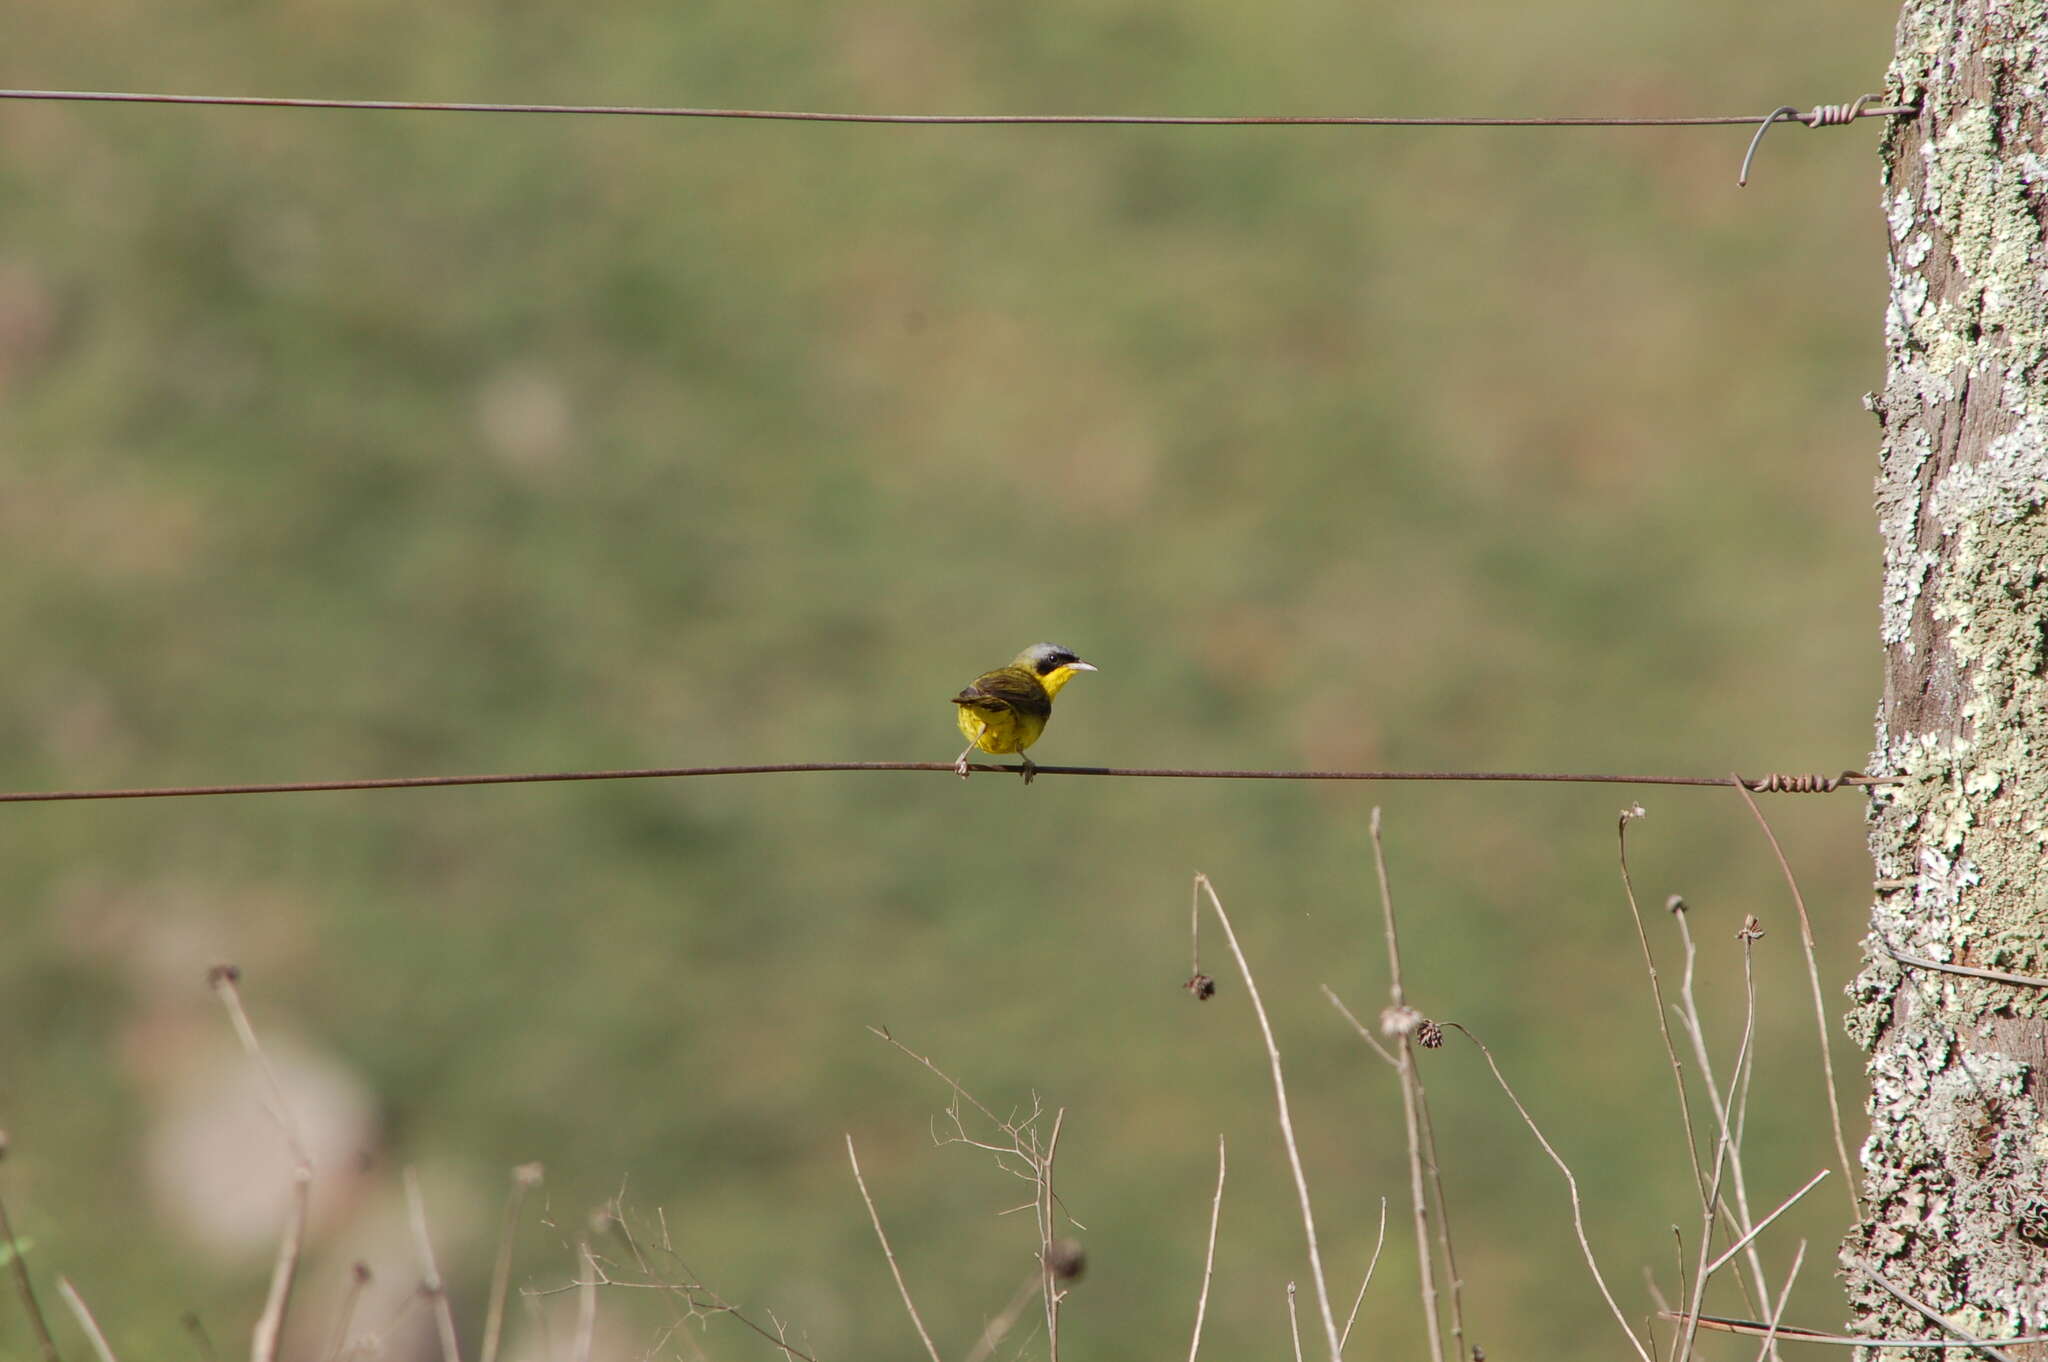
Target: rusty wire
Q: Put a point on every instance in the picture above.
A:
(1787, 113)
(1768, 784)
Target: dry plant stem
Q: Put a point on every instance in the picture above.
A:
(1663, 1026)
(46, 1346)
(1695, 1032)
(86, 1322)
(1765, 1223)
(894, 1270)
(430, 1282)
(269, 1330)
(1770, 1348)
(1363, 1033)
(1293, 1323)
(1416, 1115)
(1996, 976)
(1789, 1333)
(586, 1309)
(523, 1179)
(1308, 1219)
(1209, 1262)
(1578, 1213)
(1933, 1315)
(1725, 1151)
(1359, 1299)
(1443, 1211)
(1001, 1325)
(1820, 1007)
(338, 1339)
(1411, 1108)
(1046, 1207)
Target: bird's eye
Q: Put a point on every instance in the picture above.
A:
(1055, 662)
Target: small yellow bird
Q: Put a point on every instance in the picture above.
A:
(1005, 710)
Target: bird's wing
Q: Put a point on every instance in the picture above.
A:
(1009, 688)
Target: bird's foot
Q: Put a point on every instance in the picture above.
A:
(1027, 768)
(960, 766)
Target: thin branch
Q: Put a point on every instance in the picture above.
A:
(1293, 1322)
(887, 1253)
(1370, 1268)
(1578, 1214)
(359, 1279)
(1765, 1223)
(1770, 1348)
(1695, 1030)
(269, 1330)
(525, 1178)
(992, 1335)
(1657, 992)
(45, 1344)
(1308, 1219)
(1751, 1328)
(1209, 1263)
(1820, 1007)
(586, 1309)
(1726, 1152)
(1762, 784)
(1933, 1315)
(1996, 976)
(1786, 114)
(85, 1319)
(1046, 1206)
(430, 1282)
(1411, 1105)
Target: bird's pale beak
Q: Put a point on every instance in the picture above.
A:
(1080, 666)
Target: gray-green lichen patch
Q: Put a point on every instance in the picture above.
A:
(1956, 1167)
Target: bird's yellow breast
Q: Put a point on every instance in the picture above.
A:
(1003, 730)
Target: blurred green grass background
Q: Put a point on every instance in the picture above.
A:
(351, 444)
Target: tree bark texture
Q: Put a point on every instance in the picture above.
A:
(1955, 1188)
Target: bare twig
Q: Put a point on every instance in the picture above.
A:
(1209, 1263)
(1752, 1328)
(1358, 1300)
(46, 1346)
(1933, 1315)
(1308, 1219)
(269, 1330)
(1293, 1322)
(1726, 1152)
(1046, 1206)
(430, 1282)
(1820, 1007)
(1363, 1034)
(1578, 1213)
(586, 1309)
(1695, 1031)
(1412, 1112)
(359, 1278)
(1765, 1223)
(1769, 1348)
(992, 1335)
(86, 1322)
(525, 1178)
(1657, 992)
(887, 1253)
(1995, 975)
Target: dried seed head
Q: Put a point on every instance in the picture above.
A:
(1675, 904)
(1066, 1260)
(1429, 1035)
(1752, 930)
(1399, 1021)
(1202, 986)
